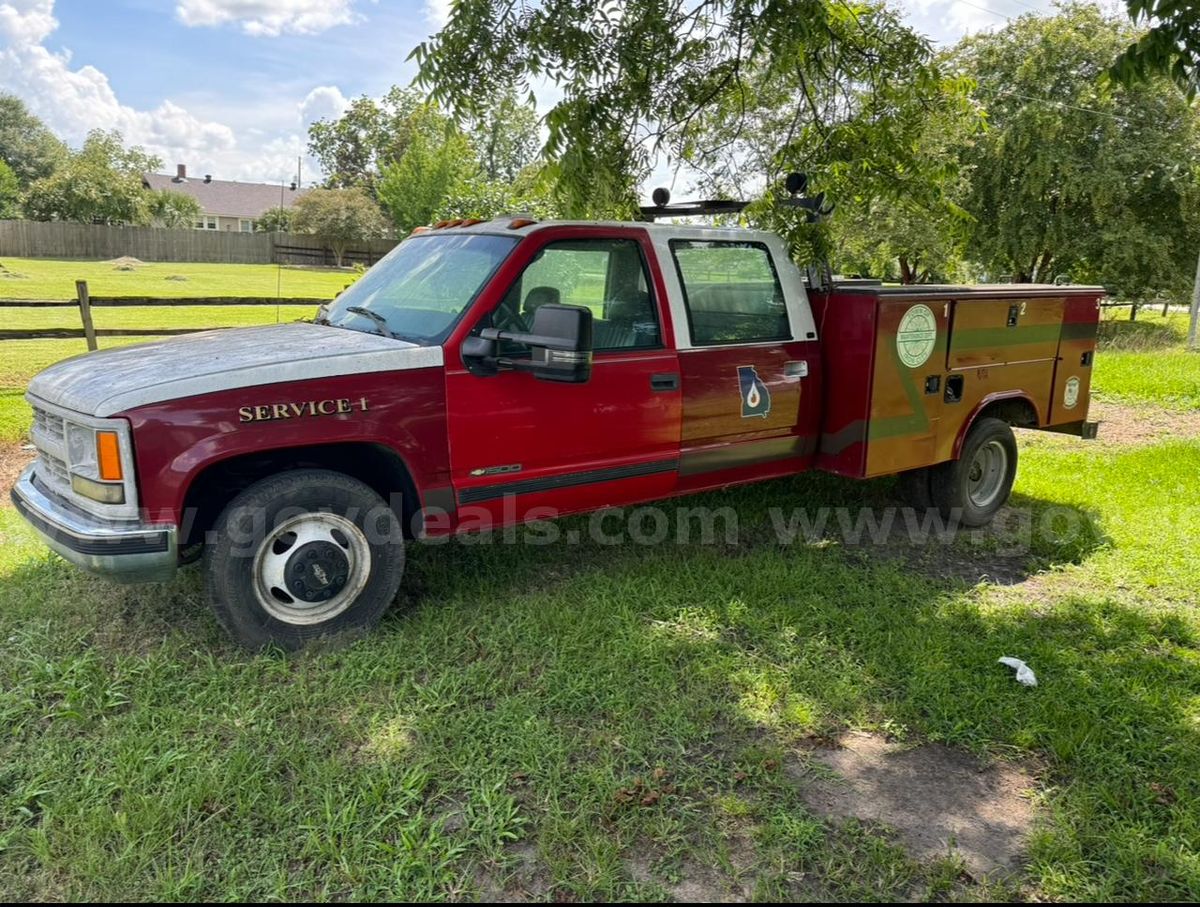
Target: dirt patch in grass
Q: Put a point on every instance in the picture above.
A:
(519, 879)
(1122, 425)
(939, 801)
(13, 458)
(125, 263)
(694, 882)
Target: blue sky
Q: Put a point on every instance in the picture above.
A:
(229, 86)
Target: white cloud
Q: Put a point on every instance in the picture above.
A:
(437, 12)
(72, 100)
(323, 102)
(26, 21)
(269, 18)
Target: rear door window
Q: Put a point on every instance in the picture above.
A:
(731, 292)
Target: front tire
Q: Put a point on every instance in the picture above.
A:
(302, 555)
(976, 485)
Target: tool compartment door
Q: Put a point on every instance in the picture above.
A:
(988, 332)
(1071, 396)
(907, 385)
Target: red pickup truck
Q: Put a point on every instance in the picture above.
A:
(486, 373)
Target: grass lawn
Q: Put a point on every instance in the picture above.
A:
(46, 278)
(486, 739)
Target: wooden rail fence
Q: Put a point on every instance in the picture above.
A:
(84, 302)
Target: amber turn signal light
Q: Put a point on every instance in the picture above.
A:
(108, 456)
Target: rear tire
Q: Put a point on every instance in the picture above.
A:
(976, 485)
(302, 555)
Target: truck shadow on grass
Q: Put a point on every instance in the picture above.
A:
(861, 521)
(584, 721)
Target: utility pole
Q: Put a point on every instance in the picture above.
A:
(1195, 310)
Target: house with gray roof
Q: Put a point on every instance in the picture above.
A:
(226, 204)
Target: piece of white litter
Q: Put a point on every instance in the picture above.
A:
(1024, 674)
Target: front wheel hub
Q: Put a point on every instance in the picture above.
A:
(311, 567)
(317, 571)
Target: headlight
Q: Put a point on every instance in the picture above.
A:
(95, 464)
(104, 492)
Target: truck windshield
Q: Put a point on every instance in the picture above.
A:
(418, 290)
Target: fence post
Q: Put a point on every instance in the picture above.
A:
(85, 312)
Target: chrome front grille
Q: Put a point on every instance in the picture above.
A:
(50, 425)
(49, 436)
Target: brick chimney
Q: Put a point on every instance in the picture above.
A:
(180, 173)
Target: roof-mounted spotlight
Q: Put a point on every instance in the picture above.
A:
(815, 208)
(662, 206)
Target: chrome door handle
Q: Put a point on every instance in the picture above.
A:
(796, 369)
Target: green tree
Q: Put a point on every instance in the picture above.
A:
(648, 76)
(173, 209)
(484, 199)
(99, 184)
(354, 149)
(26, 145)
(504, 134)
(276, 220)
(1169, 46)
(338, 217)
(1077, 175)
(10, 193)
(878, 132)
(436, 163)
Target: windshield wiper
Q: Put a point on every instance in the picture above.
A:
(379, 320)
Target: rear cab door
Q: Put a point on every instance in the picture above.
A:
(748, 355)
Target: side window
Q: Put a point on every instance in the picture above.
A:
(606, 275)
(731, 292)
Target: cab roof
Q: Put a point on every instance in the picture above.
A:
(524, 225)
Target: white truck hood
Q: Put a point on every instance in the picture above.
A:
(112, 381)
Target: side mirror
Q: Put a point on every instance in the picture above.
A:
(566, 354)
(560, 343)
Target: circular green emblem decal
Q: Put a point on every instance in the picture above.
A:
(917, 336)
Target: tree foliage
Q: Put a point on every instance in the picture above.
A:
(338, 217)
(504, 134)
(483, 199)
(26, 145)
(354, 148)
(10, 193)
(173, 209)
(275, 220)
(436, 161)
(99, 184)
(1170, 45)
(690, 79)
(1076, 175)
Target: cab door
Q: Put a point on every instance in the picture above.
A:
(523, 448)
(749, 362)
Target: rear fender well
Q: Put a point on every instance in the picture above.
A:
(1016, 408)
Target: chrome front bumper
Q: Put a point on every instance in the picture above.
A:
(125, 551)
